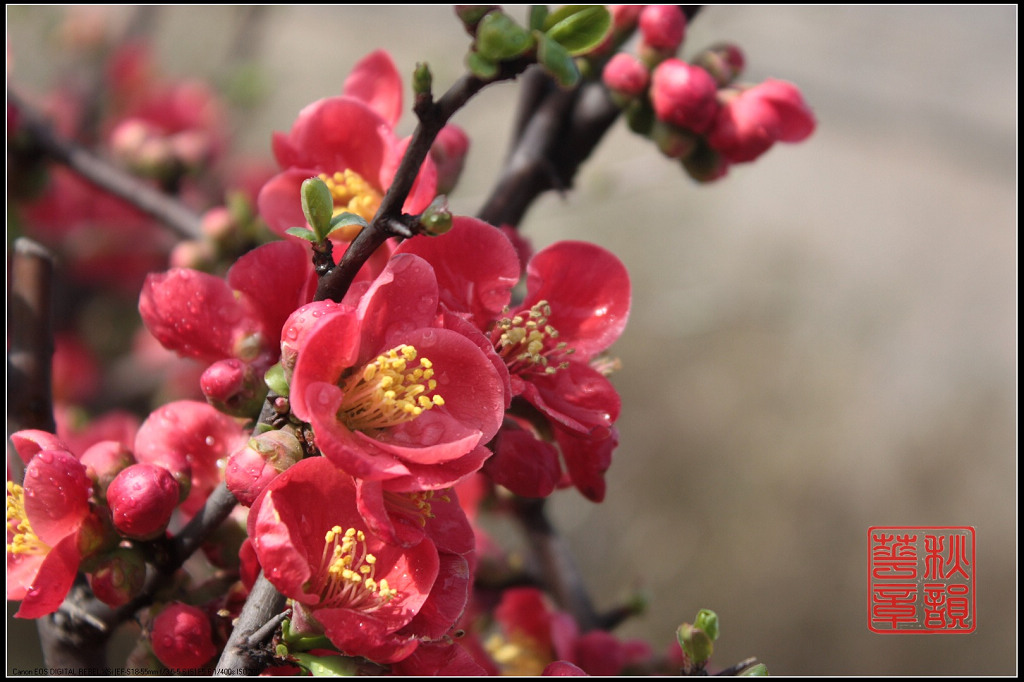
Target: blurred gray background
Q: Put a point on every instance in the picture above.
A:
(824, 341)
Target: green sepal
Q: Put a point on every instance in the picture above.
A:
(707, 620)
(578, 28)
(538, 14)
(557, 61)
(327, 666)
(317, 206)
(276, 380)
(344, 220)
(498, 37)
(481, 67)
(759, 670)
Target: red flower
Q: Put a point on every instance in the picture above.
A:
(44, 516)
(316, 549)
(392, 391)
(576, 306)
(201, 316)
(348, 141)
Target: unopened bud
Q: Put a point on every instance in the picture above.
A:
(684, 95)
(626, 77)
(695, 643)
(704, 164)
(251, 469)
(662, 28)
(104, 461)
(675, 143)
(182, 637)
(119, 576)
(470, 15)
(142, 498)
(422, 79)
(723, 61)
(233, 387)
(437, 219)
(293, 333)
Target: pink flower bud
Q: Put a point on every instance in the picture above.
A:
(625, 17)
(663, 27)
(182, 637)
(142, 498)
(723, 61)
(449, 155)
(104, 461)
(217, 223)
(119, 576)
(233, 387)
(750, 122)
(295, 328)
(253, 467)
(626, 75)
(684, 95)
(192, 253)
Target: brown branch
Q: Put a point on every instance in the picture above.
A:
(433, 116)
(243, 653)
(104, 175)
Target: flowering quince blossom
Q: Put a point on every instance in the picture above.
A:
(207, 318)
(531, 636)
(344, 581)
(349, 142)
(44, 516)
(393, 392)
(576, 306)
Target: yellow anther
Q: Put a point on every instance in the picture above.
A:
(352, 194)
(390, 393)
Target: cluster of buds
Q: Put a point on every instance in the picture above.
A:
(698, 111)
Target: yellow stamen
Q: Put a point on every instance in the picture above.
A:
(346, 576)
(23, 540)
(387, 392)
(527, 344)
(352, 194)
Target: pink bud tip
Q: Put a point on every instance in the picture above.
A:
(142, 498)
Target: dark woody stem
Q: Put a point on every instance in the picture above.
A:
(432, 116)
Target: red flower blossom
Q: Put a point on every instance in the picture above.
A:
(349, 142)
(44, 516)
(343, 580)
(576, 306)
(392, 391)
(201, 316)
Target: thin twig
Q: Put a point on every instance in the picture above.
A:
(104, 175)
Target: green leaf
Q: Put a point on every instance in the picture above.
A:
(276, 380)
(345, 219)
(327, 666)
(578, 28)
(759, 670)
(707, 620)
(556, 61)
(498, 37)
(538, 14)
(303, 232)
(481, 67)
(317, 206)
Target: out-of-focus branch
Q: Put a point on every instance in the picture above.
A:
(104, 175)
(29, 337)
